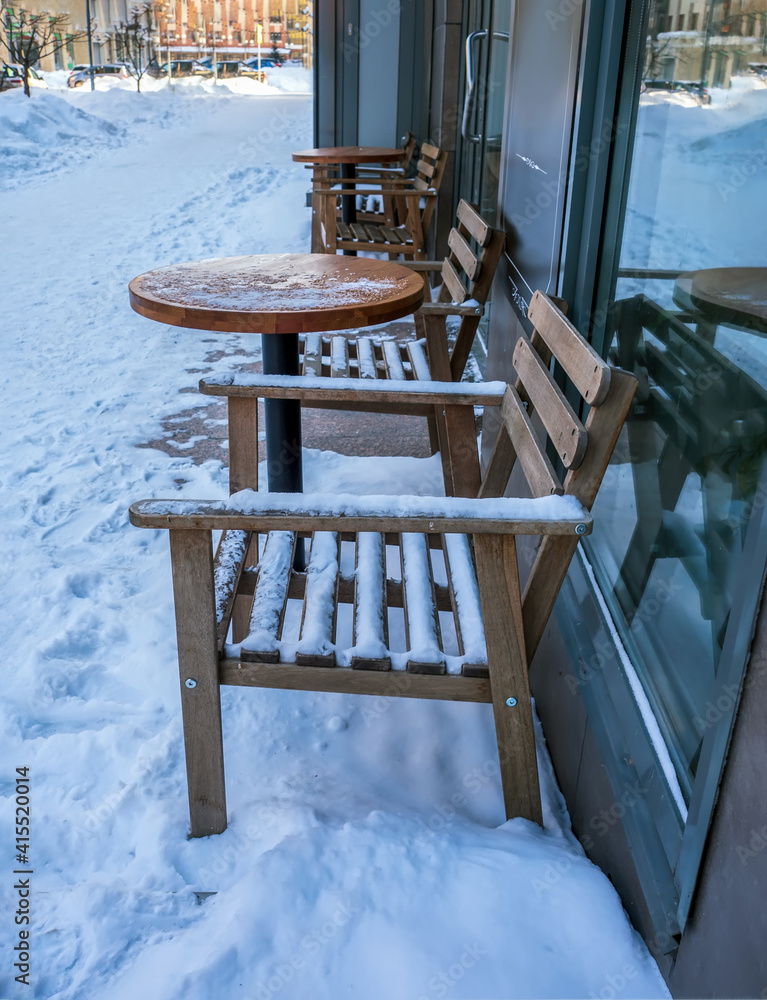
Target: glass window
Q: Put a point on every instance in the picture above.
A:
(689, 317)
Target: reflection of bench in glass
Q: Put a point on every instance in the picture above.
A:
(696, 411)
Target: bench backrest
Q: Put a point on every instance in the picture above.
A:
(430, 169)
(583, 447)
(467, 273)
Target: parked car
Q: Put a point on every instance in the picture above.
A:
(691, 87)
(179, 68)
(12, 76)
(80, 75)
(265, 63)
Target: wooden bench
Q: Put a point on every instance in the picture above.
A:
(407, 206)
(465, 277)
(469, 631)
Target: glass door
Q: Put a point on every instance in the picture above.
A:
(486, 56)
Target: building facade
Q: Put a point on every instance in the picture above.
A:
(621, 146)
(235, 29)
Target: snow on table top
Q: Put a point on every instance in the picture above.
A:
(273, 283)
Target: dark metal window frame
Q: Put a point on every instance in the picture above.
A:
(667, 854)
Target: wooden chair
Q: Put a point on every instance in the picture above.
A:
(401, 227)
(457, 554)
(466, 276)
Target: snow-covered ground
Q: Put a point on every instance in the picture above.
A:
(366, 855)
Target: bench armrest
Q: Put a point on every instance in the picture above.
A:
(451, 309)
(250, 511)
(307, 387)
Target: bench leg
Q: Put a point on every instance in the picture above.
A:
(243, 474)
(192, 562)
(498, 578)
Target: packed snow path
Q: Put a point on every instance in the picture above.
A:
(366, 855)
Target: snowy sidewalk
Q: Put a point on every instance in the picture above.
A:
(366, 855)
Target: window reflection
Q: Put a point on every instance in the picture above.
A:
(690, 319)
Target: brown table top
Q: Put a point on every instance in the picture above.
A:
(734, 294)
(277, 293)
(349, 154)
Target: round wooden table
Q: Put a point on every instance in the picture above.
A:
(347, 158)
(736, 295)
(283, 295)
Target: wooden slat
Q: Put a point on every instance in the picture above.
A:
(227, 568)
(426, 169)
(309, 387)
(270, 599)
(192, 564)
(453, 283)
(498, 578)
(243, 444)
(464, 254)
(424, 639)
(374, 234)
(321, 512)
(312, 355)
(588, 372)
(604, 424)
(371, 626)
(393, 683)
(466, 604)
(567, 433)
(366, 362)
(358, 231)
(339, 357)
(431, 151)
(344, 231)
(417, 354)
(391, 235)
(474, 223)
(318, 615)
(394, 368)
(539, 472)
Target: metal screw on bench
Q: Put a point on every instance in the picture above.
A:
(511, 702)
(190, 682)
(580, 529)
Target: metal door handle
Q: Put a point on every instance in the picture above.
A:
(468, 101)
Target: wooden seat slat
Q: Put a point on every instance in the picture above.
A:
(567, 433)
(391, 235)
(366, 364)
(312, 355)
(270, 598)
(320, 607)
(358, 231)
(417, 354)
(371, 625)
(339, 357)
(422, 630)
(374, 234)
(228, 565)
(394, 368)
(344, 231)
(587, 371)
(467, 607)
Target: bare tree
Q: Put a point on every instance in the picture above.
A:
(132, 39)
(28, 37)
